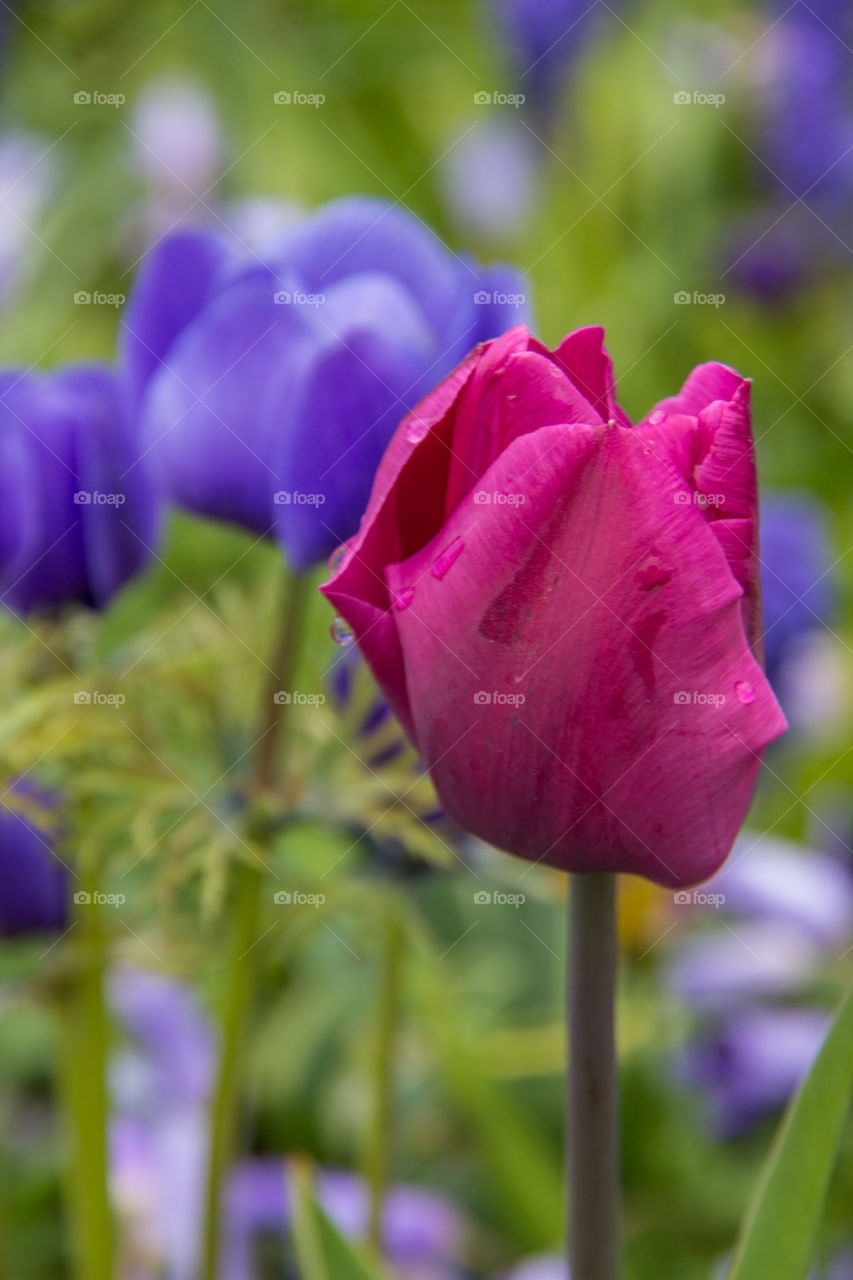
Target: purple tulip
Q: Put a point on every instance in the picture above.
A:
(266, 386)
(34, 882)
(78, 515)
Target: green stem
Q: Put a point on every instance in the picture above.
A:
(248, 887)
(378, 1150)
(84, 1055)
(592, 1135)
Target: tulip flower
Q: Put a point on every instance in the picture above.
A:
(34, 883)
(563, 609)
(79, 517)
(266, 386)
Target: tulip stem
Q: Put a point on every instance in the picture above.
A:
(592, 1133)
(84, 1056)
(378, 1153)
(247, 889)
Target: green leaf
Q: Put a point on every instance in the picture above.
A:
(321, 1251)
(778, 1235)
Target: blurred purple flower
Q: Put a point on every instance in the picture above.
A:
(161, 1087)
(750, 1064)
(545, 38)
(34, 882)
(807, 114)
(798, 588)
(78, 517)
(772, 253)
(266, 387)
(785, 910)
(490, 178)
(546, 1267)
(28, 167)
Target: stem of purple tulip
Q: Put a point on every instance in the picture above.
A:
(592, 1111)
(269, 763)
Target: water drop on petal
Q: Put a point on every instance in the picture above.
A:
(337, 558)
(745, 691)
(404, 598)
(448, 557)
(341, 631)
(656, 418)
(416, 430)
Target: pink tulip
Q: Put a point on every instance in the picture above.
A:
(563, 609)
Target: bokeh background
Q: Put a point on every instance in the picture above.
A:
(682, 175)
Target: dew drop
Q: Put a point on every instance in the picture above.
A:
(656, 418)
(337, 558)
(416, 430)
(745, 691)
(448, 558)
(341, 631)
(404, 598)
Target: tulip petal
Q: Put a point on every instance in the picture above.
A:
(639, 623)
(584, 358)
